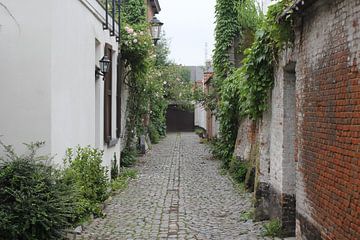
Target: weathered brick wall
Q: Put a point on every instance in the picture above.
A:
(245, 139)
(328, 151)
(275, 193)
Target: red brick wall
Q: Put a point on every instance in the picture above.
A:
(328, 83)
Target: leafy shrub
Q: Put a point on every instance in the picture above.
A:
(89, 178)
(200, 132)
(272, 228)
(34, 202)
(221, 151)
(154, 134)
(128, 157)
(122, 181)
(238, 169)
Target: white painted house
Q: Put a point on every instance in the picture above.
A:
(200, 112)
(48, 88)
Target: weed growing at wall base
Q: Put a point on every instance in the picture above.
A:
(122, 181)
(272, 228)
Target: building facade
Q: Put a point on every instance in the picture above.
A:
(205, 118)
(48, 87)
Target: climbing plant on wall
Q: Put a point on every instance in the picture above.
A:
(225, 32)
(244, 91)
(152, 79)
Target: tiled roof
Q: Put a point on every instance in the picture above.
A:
(207, 77)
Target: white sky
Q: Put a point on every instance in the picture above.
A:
(188, 24)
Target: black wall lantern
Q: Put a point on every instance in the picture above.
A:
(155, 29)
(104, 66)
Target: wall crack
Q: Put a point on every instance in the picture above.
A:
(11, 15)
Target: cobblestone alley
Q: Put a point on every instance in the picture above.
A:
(179, 194)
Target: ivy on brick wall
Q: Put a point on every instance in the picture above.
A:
(244, 92)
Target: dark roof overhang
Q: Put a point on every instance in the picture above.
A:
(155, 6)
(296, 7)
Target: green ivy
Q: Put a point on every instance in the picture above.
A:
(226, 30)
(244, 92)
(257, 72)
(152, 79)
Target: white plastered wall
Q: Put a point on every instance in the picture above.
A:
(77, 111)
(48, 89)
(25, 72)
(200, 116)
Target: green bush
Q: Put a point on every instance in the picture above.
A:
(238, 169)
(128, 157)
(89, 178)
(272, 228)
(34, 201)
(200, 132)
(221, 151)
(153, 134)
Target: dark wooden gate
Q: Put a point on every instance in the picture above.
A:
(179, 120)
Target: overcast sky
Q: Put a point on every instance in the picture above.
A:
(188, 24)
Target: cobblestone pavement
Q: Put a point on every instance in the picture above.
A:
(179, 194)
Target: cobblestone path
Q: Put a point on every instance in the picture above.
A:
(179, 194)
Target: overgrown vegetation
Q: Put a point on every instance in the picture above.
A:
(128, 157)
(238, 169)
(200, 132)
(225, 32)
(38, 201)
(35, 202)
(244, 92)
(122, 181)
(247, 215)
(153, 81)
(89, 178)
(272, 228)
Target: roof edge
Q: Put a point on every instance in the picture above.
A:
(156, 6)
(295, 7)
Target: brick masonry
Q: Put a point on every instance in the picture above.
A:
(328, 87)
(246, 138)
(310, 136)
